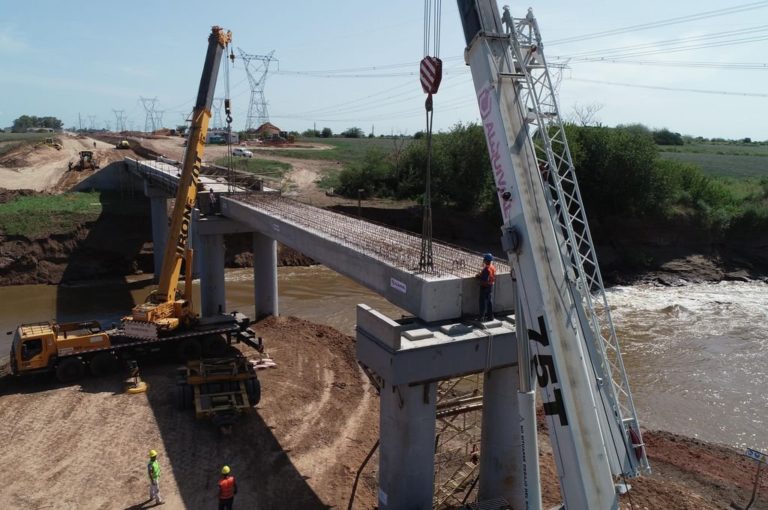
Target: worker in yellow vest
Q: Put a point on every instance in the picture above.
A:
(153, 470)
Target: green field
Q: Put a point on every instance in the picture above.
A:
(36, 216)
(263, 167)
(722, 160)
(345, 150)
(10, 141)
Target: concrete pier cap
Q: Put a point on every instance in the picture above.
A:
(411, 351)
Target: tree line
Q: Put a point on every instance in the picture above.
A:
(27, 122)
(619, 170)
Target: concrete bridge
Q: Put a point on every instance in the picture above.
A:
(407, 357)
(382, 259)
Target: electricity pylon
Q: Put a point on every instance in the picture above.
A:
(256, 67)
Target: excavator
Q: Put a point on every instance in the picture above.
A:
(220, 387)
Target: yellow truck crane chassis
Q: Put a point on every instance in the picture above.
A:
(72, 349)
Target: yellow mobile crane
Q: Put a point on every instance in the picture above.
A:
(166, 318)
(165, 310)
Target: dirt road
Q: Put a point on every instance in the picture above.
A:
(41, 168)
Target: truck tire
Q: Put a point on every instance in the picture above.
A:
(185, 396)
(214, 346)
(253, 389)
(103, 363)
(188, 350)
(70, 370)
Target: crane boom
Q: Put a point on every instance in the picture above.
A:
(163, 310)
(592, 423)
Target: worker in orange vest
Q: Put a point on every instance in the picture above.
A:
(487, 277)
(227, 489)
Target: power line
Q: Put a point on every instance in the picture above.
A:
(674, 89)
(666, 45)
(662, 23)
(676, 63)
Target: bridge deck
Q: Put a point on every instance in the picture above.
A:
(383, 259)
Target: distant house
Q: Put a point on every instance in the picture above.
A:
(267, 130)
(39, 130)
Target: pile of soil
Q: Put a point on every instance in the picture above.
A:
(85, 446)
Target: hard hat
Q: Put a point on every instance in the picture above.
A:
(152, 453)
(225, 470)
(487, 257)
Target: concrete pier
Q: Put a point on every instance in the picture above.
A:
(212, 289)
(410, 357)
(158, 202)
(265, 276)
(407, 446)
(500, 447)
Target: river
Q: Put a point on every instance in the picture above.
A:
(696, 356)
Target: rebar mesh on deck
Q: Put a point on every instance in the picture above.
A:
(394, 247)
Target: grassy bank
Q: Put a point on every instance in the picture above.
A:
(37, 216)
(263, 167)
(344, 150)
(721, 160)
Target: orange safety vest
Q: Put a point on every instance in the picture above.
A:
(227, 488)
(491, 276)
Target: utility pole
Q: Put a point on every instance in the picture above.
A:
(256, 67)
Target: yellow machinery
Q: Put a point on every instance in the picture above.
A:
(165, 310)
(86, 162)
(122, 144)
(166, 318)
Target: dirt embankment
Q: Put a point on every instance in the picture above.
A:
(317, 420)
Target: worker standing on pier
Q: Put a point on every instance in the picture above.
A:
(487, 277)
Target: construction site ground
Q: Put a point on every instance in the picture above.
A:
(85, 446)
(41, 167)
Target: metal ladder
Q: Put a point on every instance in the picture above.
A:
(547, 131)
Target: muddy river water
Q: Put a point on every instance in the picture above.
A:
(697, 356)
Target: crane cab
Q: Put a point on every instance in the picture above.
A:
(37, 346)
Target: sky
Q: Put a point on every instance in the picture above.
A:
(354, 63)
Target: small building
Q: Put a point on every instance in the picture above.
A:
(267, 130)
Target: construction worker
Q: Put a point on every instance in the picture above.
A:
(227, 489)
(153, 470)
(212, 202)
(487, 277)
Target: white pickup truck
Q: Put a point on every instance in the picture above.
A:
(244, 153)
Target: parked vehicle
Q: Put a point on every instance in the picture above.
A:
(243, 153)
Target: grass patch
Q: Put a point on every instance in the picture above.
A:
(25, 137)
(37, 216)
(330, 179)
(345, 150)
(264, 167)
(723, 165)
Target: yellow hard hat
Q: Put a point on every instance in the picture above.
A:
(225, 470)
(152, 453)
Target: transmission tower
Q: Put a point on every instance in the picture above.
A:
(149, 109)
(159, 119)
(256, 67)
(119, 120)
(92, 122)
